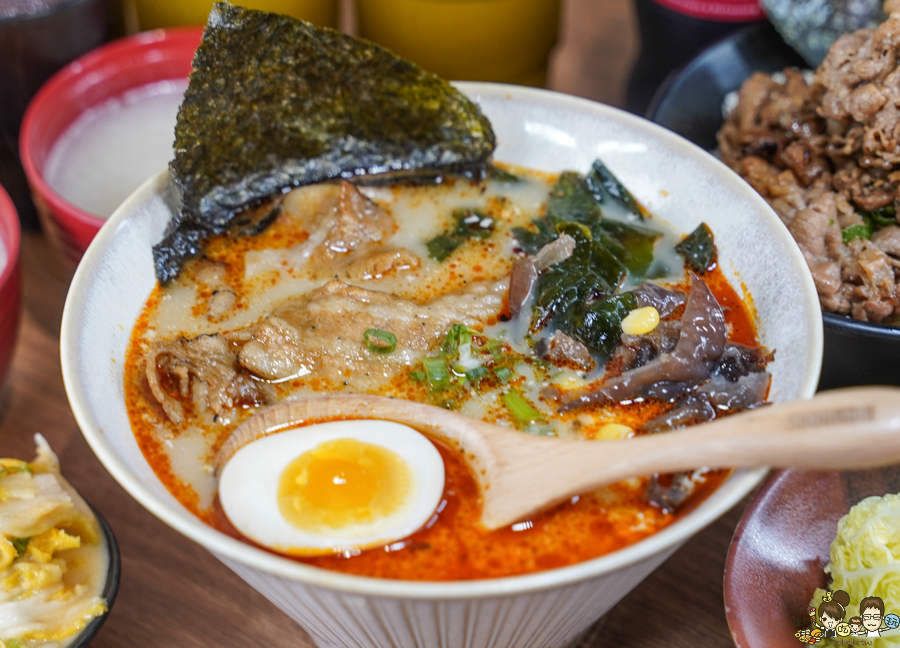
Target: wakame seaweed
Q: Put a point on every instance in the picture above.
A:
(698, 249)
(632, 244)
(275, 103)
(571, 201)
(579, 296)
(502, 175)
(470, 223)
(599, 325)
(601, 182)
(567, 290)
(533, 240)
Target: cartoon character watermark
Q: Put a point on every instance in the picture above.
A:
(827, 622)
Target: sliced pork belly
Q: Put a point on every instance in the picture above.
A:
(323, 331)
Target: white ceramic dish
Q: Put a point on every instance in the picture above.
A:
(535, 128)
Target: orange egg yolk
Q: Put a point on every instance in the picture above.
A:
(343, 483)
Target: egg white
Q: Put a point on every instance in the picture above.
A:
(248, 487)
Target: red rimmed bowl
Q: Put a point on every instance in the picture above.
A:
(107, 72)
(781, 546)
(10, 240)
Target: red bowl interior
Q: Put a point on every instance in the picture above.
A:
(101, 74)
(781, 546)
(10, 240)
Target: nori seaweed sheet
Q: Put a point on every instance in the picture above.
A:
(275, 103)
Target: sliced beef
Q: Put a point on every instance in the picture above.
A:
(839, 134)
(887, 240)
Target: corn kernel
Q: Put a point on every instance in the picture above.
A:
(612, 431)
(569, 380)
(640, 321)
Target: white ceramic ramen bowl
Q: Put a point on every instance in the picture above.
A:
(535, 128)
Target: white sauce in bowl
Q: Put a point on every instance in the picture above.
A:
(113, 148)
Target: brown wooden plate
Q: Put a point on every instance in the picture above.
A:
(781, 545)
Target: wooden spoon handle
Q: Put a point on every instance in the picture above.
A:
(521, 474)
(849, 428)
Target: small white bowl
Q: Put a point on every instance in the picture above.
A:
(671, 177)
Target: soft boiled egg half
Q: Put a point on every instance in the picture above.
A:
(331, 487)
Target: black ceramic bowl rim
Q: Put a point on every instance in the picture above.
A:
(110, 589)
(849, 325)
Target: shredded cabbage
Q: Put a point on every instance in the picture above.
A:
(865, 558)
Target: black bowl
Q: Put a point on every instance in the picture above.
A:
(690, 103)
(690, 100)
(110, 589)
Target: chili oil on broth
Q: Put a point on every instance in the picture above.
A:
(452, 546)
(280, 263)
(274, 266)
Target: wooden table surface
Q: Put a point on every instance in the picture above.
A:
(175, 594)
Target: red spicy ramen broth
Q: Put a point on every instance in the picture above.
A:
(258, 274)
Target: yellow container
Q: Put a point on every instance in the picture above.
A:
(153, 14)
(507, 41)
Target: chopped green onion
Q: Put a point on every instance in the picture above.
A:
(540, 429)
(881, 217)
(496, 348)
(503, 373)
(20, 544)
(458, 334)
(856, 231)
(473, 375)
(437, 373)
(522, 412)
(418, 376)
(378, 341)
(447, 402)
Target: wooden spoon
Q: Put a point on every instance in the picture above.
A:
(520, 474)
